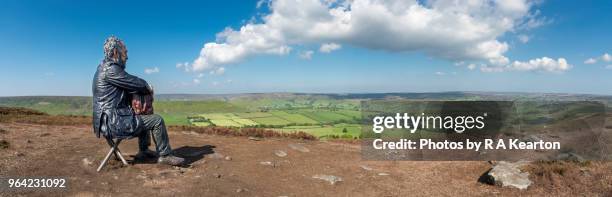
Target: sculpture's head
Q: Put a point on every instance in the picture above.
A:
(115, 50)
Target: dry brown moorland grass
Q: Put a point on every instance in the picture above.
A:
(252, 132)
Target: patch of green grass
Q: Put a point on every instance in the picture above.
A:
(324, 116)
(225, 123)
(294, 117)
(176, 112)
(201, 124)
(354, 130)
(253, 114)
(272, 120)
(174, 119)
(54, 105)
(350, 113)
(214, 116)
(245, 122)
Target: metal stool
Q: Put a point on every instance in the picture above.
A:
(114, 144)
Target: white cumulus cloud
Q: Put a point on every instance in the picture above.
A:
(454, 30)
(590, 61)
(329, 47)
(604, 58)
(306, 55)
(544, 64)
(149, 71)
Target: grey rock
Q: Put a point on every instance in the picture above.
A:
(508, 174)
(228, 158)
(280, 153)
(383, 174)
(299, 147)
(329, 178)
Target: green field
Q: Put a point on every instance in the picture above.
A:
(324, 116)
(320, 122)
(352, 130)
(272, 120)
(294, 117)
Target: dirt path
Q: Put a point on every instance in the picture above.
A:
(237, 166)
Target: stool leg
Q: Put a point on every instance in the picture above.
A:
(112, 143)
(118, 152)
(112, 150)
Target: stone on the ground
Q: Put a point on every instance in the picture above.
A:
(280, 153)
(299, 147)
(329, 178)
(87, 162)
(254, 138)
(268, 163)
(228, 158)
(383, 174)
(365, 168)
(508, 174)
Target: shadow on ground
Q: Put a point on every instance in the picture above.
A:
(193, 154)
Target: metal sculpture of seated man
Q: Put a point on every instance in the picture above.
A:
(112, 113)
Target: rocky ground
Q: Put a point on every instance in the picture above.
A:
(243, 166)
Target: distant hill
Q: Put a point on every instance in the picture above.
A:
(82, 105)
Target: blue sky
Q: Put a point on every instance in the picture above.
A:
(53, 47)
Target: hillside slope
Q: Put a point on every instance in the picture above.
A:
(238, 166)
